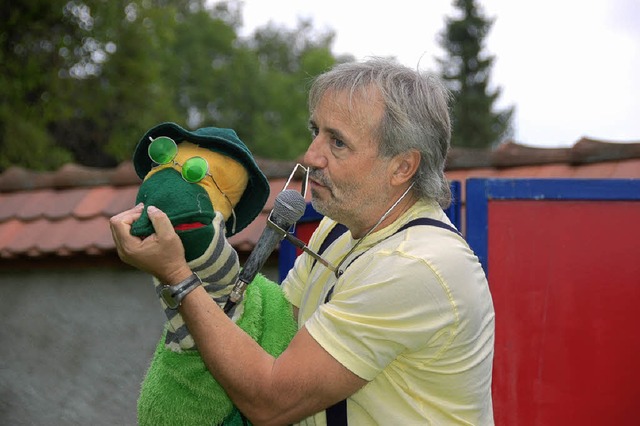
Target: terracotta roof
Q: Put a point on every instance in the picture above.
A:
(66, 213)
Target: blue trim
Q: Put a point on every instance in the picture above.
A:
(480, 191)
(286, 257)
(453, 211)
(563, 189)
(287, 251)
(310, 215)
(477, 218)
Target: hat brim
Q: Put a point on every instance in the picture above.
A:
(223, 141)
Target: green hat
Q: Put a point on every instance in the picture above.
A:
(225, 142)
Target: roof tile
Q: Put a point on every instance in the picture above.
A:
(31, 236)
(38, 204)
(66, 203)
(11, 203)
(96, 201)
(510, 154)
(124, 199)
(10, 231)
(82, 235)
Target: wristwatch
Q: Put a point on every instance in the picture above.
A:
(173, 294)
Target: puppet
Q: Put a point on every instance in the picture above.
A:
(210, 186)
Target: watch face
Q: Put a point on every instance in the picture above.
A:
(165, 294)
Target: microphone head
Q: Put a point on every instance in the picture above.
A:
(289, 206)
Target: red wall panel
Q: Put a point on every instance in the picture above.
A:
(565, 278)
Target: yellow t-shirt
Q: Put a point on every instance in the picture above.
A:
(412, 315)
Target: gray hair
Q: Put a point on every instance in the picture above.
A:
(416, 115)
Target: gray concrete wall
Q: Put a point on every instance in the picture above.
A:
(75, 345)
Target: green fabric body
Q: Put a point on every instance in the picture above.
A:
(179, 390)
(183, 202)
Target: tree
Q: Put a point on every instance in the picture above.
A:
(74, 76)
(29, 84)
(269, 103)
(466, 71)
(82, 80)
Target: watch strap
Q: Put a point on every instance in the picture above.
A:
(174, 294)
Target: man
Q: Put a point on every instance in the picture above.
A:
(403, 329)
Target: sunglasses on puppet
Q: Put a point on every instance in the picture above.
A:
(193, 164)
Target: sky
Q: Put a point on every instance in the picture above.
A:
(570, 68)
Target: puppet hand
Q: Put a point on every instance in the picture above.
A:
(218, 269)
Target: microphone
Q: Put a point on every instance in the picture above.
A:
(288, 208)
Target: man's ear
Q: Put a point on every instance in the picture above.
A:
(405, 167)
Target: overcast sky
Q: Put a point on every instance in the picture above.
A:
(571, 68)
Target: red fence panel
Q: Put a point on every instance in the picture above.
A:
(564, 270)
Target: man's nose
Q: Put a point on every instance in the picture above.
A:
(314, 157)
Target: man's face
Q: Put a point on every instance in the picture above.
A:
(348, 181)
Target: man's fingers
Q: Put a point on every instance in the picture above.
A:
(160, 222)
(160, 254)
(120, 224)
(128, 216)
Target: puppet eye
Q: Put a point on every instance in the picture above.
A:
(162, 150)
(195, 169)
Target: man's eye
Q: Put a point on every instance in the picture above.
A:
(314, 131)
(338, 143)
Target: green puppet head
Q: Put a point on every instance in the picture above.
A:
(190, 176)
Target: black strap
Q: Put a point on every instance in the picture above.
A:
(427, 221)
(333, 235)
(337, 413)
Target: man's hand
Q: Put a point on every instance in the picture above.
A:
(160, 254)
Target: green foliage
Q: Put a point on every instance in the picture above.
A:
(466, 70)
(274, 99)
(82, 80)
(28, 66)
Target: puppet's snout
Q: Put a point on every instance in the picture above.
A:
(187, 205)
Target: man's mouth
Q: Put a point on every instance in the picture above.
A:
(316, 185)
(317, 179)
(316, 182)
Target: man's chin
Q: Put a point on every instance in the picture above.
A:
(322, 206)
(317, 206)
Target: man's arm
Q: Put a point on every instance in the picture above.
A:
(303, 380)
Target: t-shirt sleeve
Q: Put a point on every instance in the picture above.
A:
(392, 305)
(294, 282)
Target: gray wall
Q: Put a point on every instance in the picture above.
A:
(74, 345)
